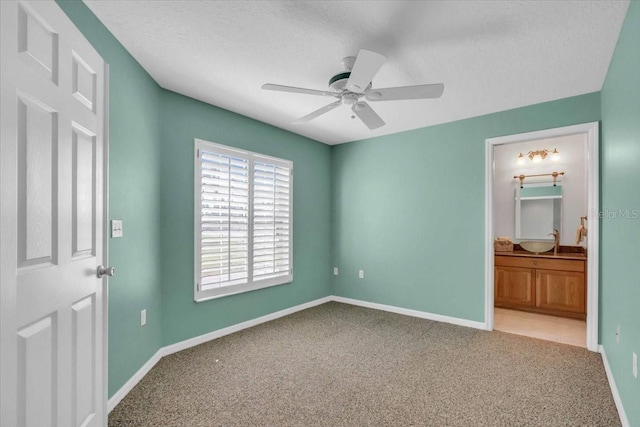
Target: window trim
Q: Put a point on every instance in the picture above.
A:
(205, 295)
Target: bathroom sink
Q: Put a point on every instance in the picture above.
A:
(537, 246)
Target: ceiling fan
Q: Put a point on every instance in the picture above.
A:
(351, 85)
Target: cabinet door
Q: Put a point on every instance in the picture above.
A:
(561, 290)
(514, 286)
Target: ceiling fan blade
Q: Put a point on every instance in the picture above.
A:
(405, 92)
(318, 112)
(367, 115)
(367, 65)
(281, 88)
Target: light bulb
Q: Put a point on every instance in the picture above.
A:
(537, 158)
(520, 160)
(555, 156)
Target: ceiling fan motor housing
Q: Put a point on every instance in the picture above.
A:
(338, 82)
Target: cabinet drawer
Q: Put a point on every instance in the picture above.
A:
(540, 263)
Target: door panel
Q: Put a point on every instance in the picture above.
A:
(36, 373)
(83, 191)
(84, 81)
(37, 43)
(83, 383)
(51, 221)
(37, 210)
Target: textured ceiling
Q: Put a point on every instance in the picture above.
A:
(491, 55)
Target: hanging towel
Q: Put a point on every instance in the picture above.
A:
(581, 233)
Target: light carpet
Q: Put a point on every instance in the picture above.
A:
(341, 365)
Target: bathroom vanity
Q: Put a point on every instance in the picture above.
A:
(542, 283)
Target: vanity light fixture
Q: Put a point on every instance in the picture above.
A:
(539, 155)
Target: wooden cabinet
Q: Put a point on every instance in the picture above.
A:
(515, 286)
(560, 290)
(541, 284)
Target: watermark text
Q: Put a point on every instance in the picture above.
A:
(616, 214)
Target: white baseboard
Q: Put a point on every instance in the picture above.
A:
(135, 379)
(614, 389)
(413, 313)
(183, 345)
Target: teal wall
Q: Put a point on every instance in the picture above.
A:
(620, 256)
(408, 209)
(134, 197)
(183, 120)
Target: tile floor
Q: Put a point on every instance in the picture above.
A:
(550, 328)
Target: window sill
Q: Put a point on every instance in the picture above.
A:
(226, 291)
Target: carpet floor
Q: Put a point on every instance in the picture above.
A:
(341, 365)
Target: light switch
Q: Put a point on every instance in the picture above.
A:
(116, 228)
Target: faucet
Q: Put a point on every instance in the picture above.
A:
(556, 240)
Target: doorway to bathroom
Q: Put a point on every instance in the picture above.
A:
(541, 234)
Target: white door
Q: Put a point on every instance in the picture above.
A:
(52, 363)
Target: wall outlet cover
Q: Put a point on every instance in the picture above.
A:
(361, 274)
(116, 228)
(143, 317)
(335, 271)
(635, 365)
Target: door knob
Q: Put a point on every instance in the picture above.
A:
(109, 271)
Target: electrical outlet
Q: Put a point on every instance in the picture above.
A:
(116, 228)
(617, 334)
(335, 271)
(143, 317)
(361, 274)
(635, 365)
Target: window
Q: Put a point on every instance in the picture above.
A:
(243, 221)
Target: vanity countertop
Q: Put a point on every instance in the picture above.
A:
(561, 255)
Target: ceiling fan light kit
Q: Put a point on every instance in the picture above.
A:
(355, 83)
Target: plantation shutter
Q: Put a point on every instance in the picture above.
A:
(271, 220)
(242, 221)
(224, 229)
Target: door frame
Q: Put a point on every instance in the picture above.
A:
(592, 131)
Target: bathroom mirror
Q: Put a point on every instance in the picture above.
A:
(538, 211)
